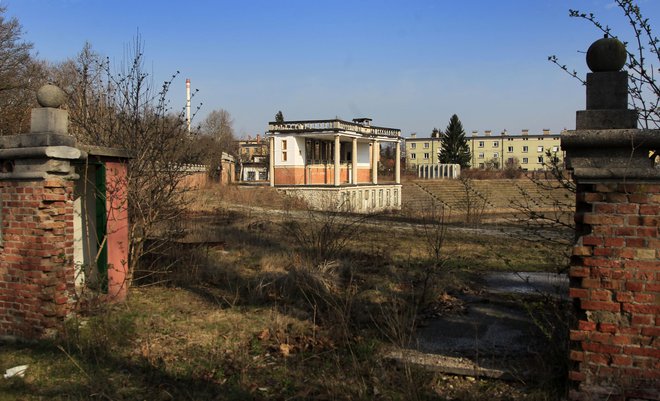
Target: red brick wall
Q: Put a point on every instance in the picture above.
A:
(289, 175)
(615, 281)
(117, 229)
(36, 263)
(317, 175)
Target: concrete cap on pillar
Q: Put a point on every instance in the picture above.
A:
(49, 118)
(606, 55)
(50, 96)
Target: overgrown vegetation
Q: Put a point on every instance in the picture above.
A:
(250, 309)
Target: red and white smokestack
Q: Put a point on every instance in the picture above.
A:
(188, 103)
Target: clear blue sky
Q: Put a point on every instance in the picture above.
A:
(405, 64)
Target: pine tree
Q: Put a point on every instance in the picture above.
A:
(454, 146)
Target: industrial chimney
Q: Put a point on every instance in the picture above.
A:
(188, 103)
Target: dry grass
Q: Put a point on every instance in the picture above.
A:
(246, 311)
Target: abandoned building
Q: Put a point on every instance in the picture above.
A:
(333, 164)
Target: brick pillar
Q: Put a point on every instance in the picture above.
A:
(36, 232)
(36, 269)
(615, 267)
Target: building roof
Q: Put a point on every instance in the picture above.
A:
(359, 127)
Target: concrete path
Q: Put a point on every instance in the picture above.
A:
(494, 337)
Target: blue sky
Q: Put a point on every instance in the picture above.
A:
(405, 64)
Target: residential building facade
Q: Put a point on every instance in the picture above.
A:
(422, 151)
(527, 151)
(253, 160)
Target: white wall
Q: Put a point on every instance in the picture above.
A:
(363, 154)
(295, 151)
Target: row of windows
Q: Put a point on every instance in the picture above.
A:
(525, 160)
(414, 145)
(413, 156)
(525, 149)
(496, 144)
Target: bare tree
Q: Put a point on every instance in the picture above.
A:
(123, 109)
(20, 76)
(220, 126)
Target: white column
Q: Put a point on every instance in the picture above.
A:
(397, 163)
(375, 147)
(271, 165)
(354, 162)
(337, 155)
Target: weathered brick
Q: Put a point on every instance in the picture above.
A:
(652, 210)
(626, 296)
(607, 327)
(604, 219)
(586, 325)
(636, 242)
(600, 295)
(647, 232)
(577, 335)
(577, 356)
(601, 348)
(606, 208)
(642, 351)
(576, 376)
(616, 197)
(600, 306)
(582, 251)
(635, 308)
(578, 293)
(634, 286)
(645, 254)
(615, 241)
(597, 359)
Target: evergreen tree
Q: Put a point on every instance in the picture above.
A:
(279, 117)
(454, 146)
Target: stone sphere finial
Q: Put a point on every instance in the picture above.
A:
(606, 54)
(50, 96)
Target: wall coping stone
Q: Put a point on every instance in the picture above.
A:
(610, 138)
(603, 154)
(104, 151)
(36, 140)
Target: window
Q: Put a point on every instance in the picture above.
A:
(540, 149)
(510, 161)
(481, 165)
(426, 145)
(413, 156)
(251, 175)
(496, 155)
(284, 150)
(540, 159)
(413, 146)
(525, 160)
(426, 156)
(318, 152)
(510, 149)
(481, 144)
(496, 144)
(555, 148)
(481, 155)
(525, 149)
